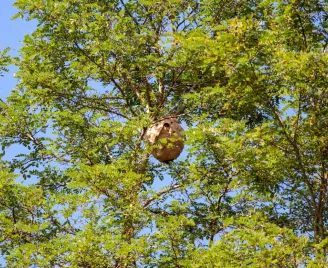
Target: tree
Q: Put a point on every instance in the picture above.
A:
(247, 79)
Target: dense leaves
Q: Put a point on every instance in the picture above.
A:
(247, 80)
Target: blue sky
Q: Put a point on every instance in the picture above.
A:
(11, 35)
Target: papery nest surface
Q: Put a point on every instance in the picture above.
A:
(167, 135)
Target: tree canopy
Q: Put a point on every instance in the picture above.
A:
(248, 81)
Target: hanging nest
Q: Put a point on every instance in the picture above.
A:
(166, 134)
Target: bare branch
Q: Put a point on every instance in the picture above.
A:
(161, 193)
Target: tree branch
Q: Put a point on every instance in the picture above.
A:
(161, 193)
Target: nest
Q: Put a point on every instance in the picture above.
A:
(167, 135)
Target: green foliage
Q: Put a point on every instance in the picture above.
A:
(248, 81)
(4, 61)
(252, 242)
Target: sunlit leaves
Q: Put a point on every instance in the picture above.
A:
(247, 80)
